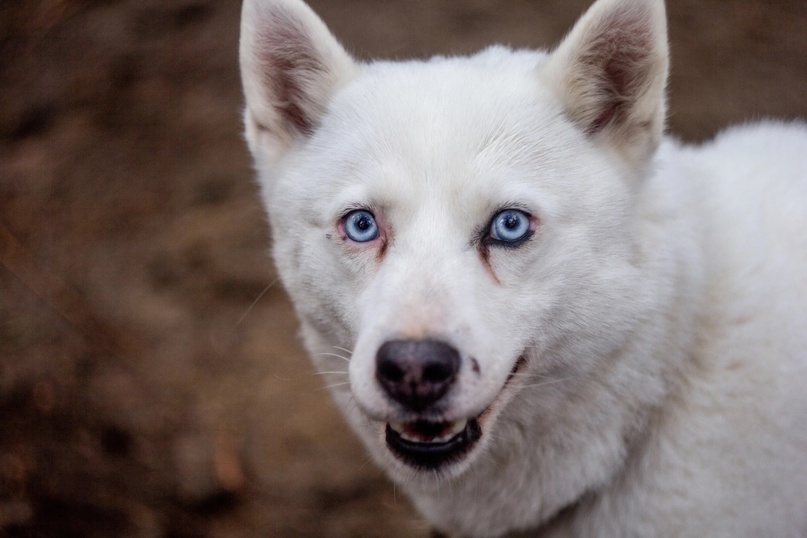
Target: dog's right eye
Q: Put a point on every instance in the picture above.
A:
(510, 227)
(360, 226)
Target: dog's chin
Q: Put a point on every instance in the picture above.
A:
(428, 445)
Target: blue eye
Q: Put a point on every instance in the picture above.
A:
(360, 226)
(510, 226)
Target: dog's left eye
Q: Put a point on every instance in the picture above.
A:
(510, 226)
(360, 226)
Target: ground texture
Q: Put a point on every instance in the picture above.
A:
(151, 380)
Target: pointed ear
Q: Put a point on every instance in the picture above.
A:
(290, 67)
(610, 74)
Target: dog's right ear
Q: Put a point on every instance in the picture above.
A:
(290, 67)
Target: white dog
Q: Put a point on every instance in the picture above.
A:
(559, 321)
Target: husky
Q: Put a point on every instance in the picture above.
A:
(558, 320)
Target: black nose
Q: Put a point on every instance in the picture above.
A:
(416, 373)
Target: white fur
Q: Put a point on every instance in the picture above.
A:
(661, 306)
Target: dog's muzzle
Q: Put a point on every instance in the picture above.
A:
(417, 375)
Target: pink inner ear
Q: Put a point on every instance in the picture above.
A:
(290, 66)
(619, 60)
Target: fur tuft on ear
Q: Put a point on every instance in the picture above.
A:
(610, 73)
(290, 67)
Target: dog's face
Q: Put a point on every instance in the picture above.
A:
(462, 226)
(447, 240)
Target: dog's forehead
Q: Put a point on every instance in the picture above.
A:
(440, 127)
(447, 101)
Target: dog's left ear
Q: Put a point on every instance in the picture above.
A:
(610, 73)
(291, 65)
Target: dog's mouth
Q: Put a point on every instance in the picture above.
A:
(428, 444)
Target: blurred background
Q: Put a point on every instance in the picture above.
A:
(151, 380)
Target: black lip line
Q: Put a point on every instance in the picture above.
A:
(516, 367)
(521, 360)
(431, 456)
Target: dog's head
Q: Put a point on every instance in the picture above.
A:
(464, 226)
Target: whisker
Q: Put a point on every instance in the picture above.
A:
(332, 386)
(535, 385)
(367, 461)
(529, 374)
(346, 359)
(350, 351)
(334, 373)
(258, 298)
(284, 378)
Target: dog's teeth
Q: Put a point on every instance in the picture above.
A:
(455, 428)
(398, 427)
(458, 426)
(410, 433)
(411, 439)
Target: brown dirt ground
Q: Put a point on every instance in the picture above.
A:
(150, 384)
